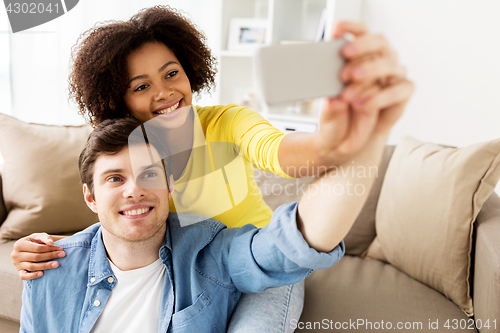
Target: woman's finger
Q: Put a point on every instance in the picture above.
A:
(354, 91)
(374, 70)
(42, 238)
(365, 45)
(42, 266)
(388, 97)
(25, 275)
(42, 256)
(343, 27)
(27, 244)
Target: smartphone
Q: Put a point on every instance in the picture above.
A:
(289, 73)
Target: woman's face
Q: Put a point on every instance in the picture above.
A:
(158, 85)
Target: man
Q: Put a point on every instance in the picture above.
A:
(139, 270)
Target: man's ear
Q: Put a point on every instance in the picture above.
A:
(89, 200)
(170, 187)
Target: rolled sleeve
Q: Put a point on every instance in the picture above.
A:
(283, 233)
(276, 255)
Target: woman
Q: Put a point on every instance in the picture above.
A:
(151, 65)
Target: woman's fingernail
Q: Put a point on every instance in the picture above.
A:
(359, 73)
(38, 274)
(344, 75)
(350, 50)
(61, 254)
(54, 264)
(349, 94)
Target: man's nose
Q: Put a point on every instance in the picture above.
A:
(133, 190)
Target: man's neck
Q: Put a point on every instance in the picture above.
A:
(128, 255)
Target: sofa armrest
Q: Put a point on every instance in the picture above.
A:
(3, 210)
(487, 265)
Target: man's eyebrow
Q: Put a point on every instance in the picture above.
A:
(159, 70)
(154, 165)
(109, 171)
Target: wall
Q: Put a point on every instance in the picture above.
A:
(451, 51)
(452, 54)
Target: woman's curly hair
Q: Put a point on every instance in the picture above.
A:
(99, 75)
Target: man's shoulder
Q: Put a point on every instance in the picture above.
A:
(80, 239)
(73, 268)
(186, 225)
(202, 232)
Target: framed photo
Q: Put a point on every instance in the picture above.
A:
(247, 33)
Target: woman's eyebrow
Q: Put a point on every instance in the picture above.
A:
(159, 70)
(166, 65)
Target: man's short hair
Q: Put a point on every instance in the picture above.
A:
(109, 138)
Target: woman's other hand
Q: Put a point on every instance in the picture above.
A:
(30, 251)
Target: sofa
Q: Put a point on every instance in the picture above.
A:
(356, 293)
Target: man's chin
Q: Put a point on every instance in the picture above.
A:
(134, 233)
(144, 235)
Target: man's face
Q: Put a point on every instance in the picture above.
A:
(131, 200)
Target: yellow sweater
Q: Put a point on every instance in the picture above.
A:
(229, 193)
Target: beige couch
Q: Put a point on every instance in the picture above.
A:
(356, 292)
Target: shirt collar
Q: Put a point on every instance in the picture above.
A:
(99, 268)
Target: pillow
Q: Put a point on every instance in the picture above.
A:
(41, 183)
(428, 203)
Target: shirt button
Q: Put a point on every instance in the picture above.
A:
(92, 280)
(111, 280)
(97, 303)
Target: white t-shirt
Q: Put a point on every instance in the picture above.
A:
(134, 303)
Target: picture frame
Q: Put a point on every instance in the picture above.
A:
(247, 33)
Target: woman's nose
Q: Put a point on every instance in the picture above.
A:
(162, 93)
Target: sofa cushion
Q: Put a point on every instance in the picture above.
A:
(11, 286)
(363, 291)
(3, 210)
(429, 200)
(41, 184)
(277, 191)
(8, 326)
(487, 264)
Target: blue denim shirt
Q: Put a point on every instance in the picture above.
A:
(207, 268)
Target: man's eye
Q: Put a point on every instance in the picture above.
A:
(150, 174)
(141, 87)
(114, 179)
(172, 74)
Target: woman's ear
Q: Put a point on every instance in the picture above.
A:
(89, 198)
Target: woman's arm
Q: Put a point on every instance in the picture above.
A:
(374, 81)
(29, 251)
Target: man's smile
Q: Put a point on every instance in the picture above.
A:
(137, 211)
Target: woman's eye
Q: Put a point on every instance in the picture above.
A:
(141, 87)
(171, 74)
